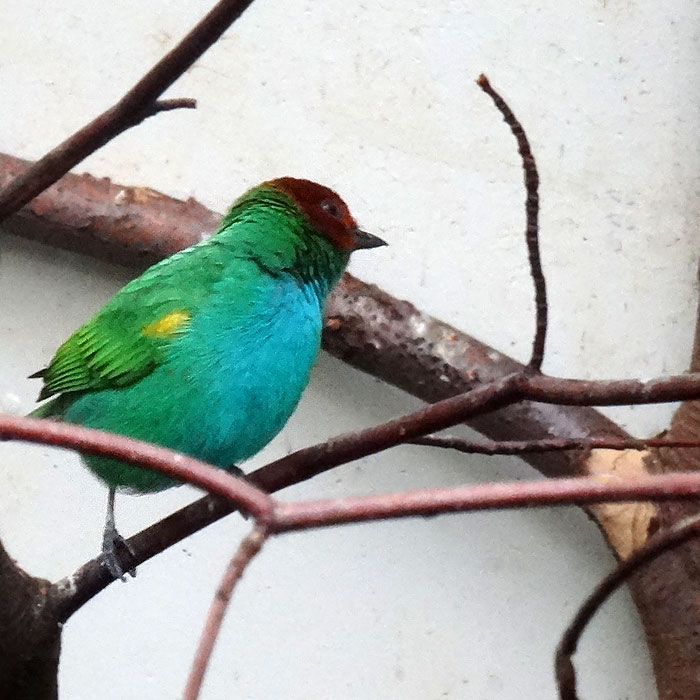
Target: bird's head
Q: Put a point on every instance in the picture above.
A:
(327, 213)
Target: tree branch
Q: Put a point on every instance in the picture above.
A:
(523, 447)
(303, 515)
(107, 125)
(144, 454)
(306, 463)
(31, 639)
(138, 104)
(172, 104)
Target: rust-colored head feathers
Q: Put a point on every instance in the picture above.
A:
(327, 212)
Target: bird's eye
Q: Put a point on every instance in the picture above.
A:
(331, 208)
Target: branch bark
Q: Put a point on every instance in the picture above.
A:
(30, 642)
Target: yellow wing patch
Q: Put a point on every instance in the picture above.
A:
(167, 325)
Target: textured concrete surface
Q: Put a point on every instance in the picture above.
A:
(377, 100)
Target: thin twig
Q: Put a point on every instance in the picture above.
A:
(532, 204)
(310, 461)
(171, 104)
(144, 454)
(678, 534)
(520, 447)
(138, 104)
(487, 397)
(247, 550)
(302, 515)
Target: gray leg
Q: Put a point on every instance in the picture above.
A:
(112, 540)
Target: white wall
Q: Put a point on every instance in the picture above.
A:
(377, 100)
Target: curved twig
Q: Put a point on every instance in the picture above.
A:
(532, 206)
(143, 454)
(662, 542)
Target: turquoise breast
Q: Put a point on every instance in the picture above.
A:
(228, 385)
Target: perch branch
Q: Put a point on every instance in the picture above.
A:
(283, 517)
(138, 104)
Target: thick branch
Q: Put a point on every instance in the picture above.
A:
(31, 640)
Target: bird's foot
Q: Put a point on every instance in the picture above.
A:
(117, 554)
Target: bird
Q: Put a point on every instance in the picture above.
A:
(209, 350)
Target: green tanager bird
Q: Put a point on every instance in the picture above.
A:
(209, 350)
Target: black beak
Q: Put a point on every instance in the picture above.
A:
(367, 240)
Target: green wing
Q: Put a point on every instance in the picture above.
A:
(114, 349)
(130, 336)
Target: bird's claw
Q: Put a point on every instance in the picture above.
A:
(114, 550)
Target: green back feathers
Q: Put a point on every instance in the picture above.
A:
(130, 336)
(112, 350)
(127, 339)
